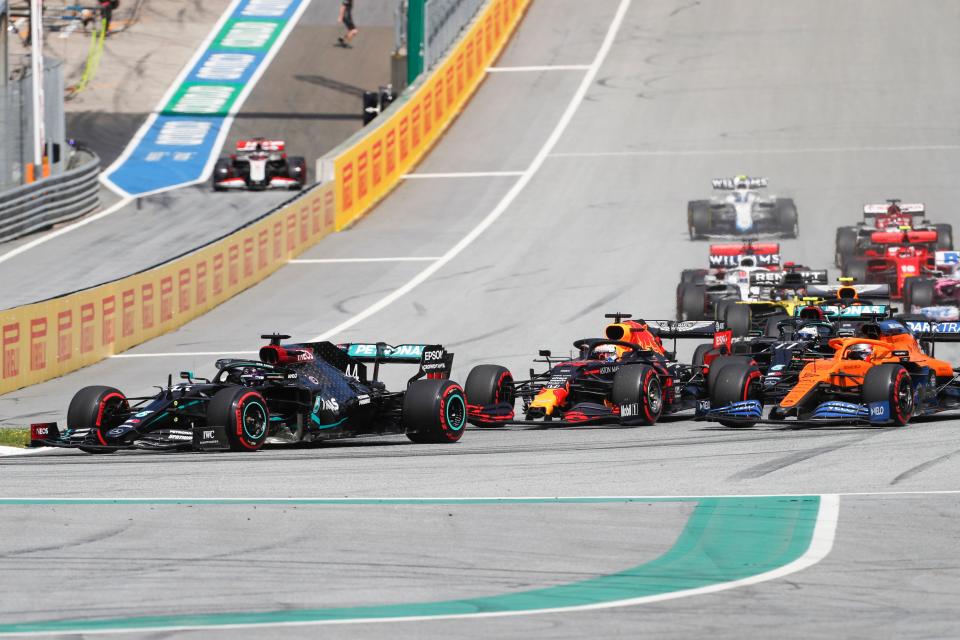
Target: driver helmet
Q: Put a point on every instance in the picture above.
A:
(859, 352)
(741, 182)
(605, 352)
(808, 333)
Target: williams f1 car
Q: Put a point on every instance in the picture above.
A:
(625, 378)
(743, 211)
(260, 164)
(294, 393)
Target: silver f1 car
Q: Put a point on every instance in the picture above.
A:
(743, 211)
(259, 164)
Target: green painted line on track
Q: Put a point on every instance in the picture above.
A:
(724, 540)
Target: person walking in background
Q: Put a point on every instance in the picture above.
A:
(346, 19)
(106, 12)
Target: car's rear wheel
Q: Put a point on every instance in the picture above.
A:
(739, 319)
(97, 409)
(787, 219)
(918, 292)
(944, 237)
(698, 219)
(244, 414)
(695, 276)
(846, 245)
(890, 382)
(637, 388)
(434, 411)
(735, 382)
(771, 326)
(856, 268)
(692, 300)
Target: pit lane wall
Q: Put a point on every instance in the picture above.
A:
(369, 166)
(48, 339)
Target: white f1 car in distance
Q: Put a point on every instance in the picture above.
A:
(743, 211)
(259, 164)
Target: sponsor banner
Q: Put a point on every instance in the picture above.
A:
(370, 168)
(49, 339)
(178, 144)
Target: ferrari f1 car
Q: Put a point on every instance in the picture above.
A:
(260, 164)
(883, 226)
(625, 378)
(885, 376)
(294, 393)
(743, 211)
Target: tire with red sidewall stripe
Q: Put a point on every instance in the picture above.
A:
(735, 382)
(244, 414)
(489, 384)
(890, 382)
(638, 384)
(434, 411)
(99, 409)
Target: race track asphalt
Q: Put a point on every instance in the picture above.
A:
(810, 95)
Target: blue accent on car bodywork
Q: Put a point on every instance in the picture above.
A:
(837, 410)
(742, 410)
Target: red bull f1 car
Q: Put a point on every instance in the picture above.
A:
(626, 377)
(260, 164)
(304, 392)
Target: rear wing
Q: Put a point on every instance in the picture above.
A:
(864, 291)
(853, 312)
(434, 360)
(936, 331)
(794, 279)
(731, 183)
(266, 145)
(872, 210)
(764, 254)
(674, 329)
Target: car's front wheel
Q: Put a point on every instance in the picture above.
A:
(244, 414)
(97, 409)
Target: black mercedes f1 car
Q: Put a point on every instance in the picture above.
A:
(293, 393)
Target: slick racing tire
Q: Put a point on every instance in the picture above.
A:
(771, 327)
(846, 245)
(787, 220)
(489, 384)
(735, 382)
(719, 364)
(918, 292)
(99, 409)
(221, 171)
(739, 319)
(856, 268)
(700, 355)
(890, 382)
(434, 411)
(698, 219)
(691, 299)
(694, 276)
(944, 237)
(244, 414)
(297, 167)
(638, 386)
(720, 308)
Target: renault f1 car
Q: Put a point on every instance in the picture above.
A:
(260, 164)
(743, 211)
(626, 378)
(883, 226)
(305, 392)
(884, 376)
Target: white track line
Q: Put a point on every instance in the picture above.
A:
(350, 260)
(463, 174)
(510, 196)
(738, 152)
(67, 229)
(547, 67)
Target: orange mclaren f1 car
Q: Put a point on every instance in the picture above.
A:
(885, 375)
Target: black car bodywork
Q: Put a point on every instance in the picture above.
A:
(294, 393)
